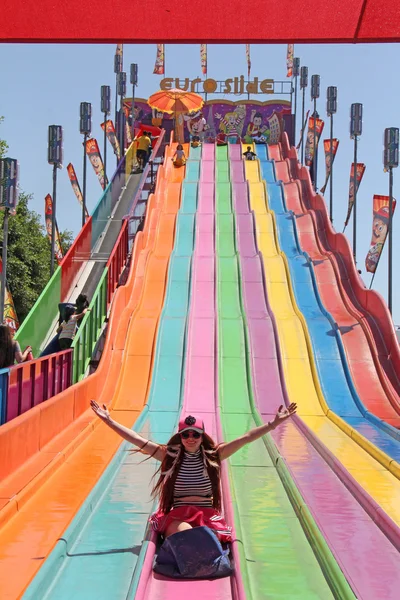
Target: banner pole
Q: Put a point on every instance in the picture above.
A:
(53, 220)
(315, 146)
(105, 149)
(373, 276)
(355, 201)
(390, 290)
(302, 124)
(331, 174)
(295, 111)
(84, 181)
(4, 259)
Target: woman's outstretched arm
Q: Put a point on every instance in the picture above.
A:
(146, 446)
(228, 448)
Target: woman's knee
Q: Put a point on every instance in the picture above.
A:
(176, 526)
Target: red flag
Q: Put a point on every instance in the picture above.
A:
(380, 225)
(112, 137)
(289, 60)
(328, 163)
(310, 150)
(48, 213)
(159, 67)
(93, 152)
(75, 186)
(248, 59)
(359, 176)
(203, 58)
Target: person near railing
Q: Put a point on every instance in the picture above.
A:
(10, 351)
(68, 327)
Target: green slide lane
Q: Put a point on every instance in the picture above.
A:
(276, 558)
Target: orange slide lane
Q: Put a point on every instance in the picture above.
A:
(40, 496)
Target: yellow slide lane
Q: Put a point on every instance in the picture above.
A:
(298, 364)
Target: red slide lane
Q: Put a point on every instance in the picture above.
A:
(364, 328)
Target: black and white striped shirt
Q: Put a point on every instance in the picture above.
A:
(192, 482)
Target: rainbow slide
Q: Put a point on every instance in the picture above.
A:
(218, 318)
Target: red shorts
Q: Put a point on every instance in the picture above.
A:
(197, 516)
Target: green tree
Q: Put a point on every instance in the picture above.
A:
(28, 253)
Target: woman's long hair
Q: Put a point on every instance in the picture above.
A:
(169, 469)
(6, 347)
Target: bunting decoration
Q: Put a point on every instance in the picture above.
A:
(359, 176)
(112, 137)
(380, 226)
(203, 58)
(93, 153)
(248, 59)
(310, 150)
(48, 215)
(328, 163)
(289, 60)
(10, 317)
(75, 186)
(159, 67)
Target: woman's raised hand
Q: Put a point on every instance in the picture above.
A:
(100, 412)
(284, 413)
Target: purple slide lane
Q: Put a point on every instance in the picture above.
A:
(367, 558)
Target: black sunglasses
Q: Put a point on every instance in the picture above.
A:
(186, 434)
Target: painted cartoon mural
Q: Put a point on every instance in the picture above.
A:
(243, 121)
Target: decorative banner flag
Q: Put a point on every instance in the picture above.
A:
(289, 60)
(380, 225)
(10, 315)
(328, 163)
(302, 131)
(248, 59)
(48, 215)
(203, 58)
(309, 151)
(360, 173)
(112, 137)
(93, 152)
(75, 186)
(127, 128)
(159, 66)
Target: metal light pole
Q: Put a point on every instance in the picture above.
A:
(355, 131)
(117, 69)
(296, 73)
(134, 82)
(9, 169)
(303, 85)
(105, 109)
(121, 90)
(85, 128)
(315, 82)
(331, 109)
(391, 161)
(54, 157)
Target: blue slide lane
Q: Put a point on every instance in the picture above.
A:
(101, 554)
(333, 371)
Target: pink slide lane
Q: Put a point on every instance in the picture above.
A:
(366, 556)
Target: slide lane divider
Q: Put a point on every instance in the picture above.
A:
(270, 531)
(111, 500)
(336, 382)
(378, 401)
(364, 476)
(327, 509)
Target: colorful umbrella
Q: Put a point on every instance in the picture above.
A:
(175, 101)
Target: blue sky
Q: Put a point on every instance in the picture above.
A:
(44, 84)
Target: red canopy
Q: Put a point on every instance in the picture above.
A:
(190, 21)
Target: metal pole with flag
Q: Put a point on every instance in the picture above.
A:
(296, 73)
(331, 108)
(315, 82)
(85, 128)
(134, 82)
(391, 161)
(118, 66)
(105, 97)
(159, 67)
(54, 158)
(303, 86)
(9, 171)
(355, 132)
(380, 228)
